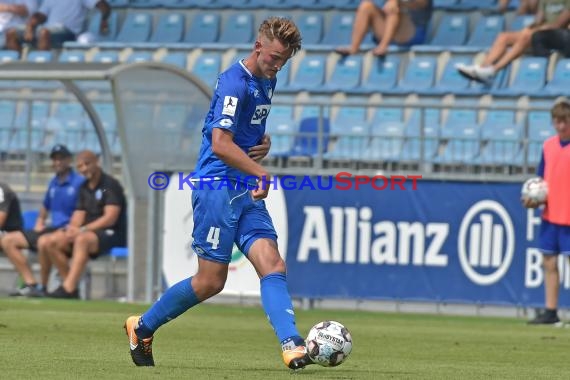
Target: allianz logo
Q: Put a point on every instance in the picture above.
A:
(485, 244)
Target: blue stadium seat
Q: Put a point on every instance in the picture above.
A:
(348, 116)
(346, 75)
(72, 56)
(9, 56)
(106, 57)
(311, 26)
(382, 77)
(559, 85)
(462, 134)
(421, 135)
(307, 141)
(137, 27)
(204, 28)
(170, 28)
(145, 3)
(351, 143)
(339, 31)
(237, 30)
(500, 135)
(207, 67)
(471, 5)
(282, 128)
(94, 22)
(7, 112)
(67, 116)
(139, 56)
(419, 76)
(451, 31)
(310, 74)
(176, 59)
(29, 218)
(39, 56)
(187, 4)
(118, 3)
(445, 4)
(451, 82)
(387, 135)
(339, 4)
(106, 113)
(486, 31)
(530, 78)
(283, 76)
(521, 21)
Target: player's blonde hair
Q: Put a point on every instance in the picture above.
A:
(561, 110)
(284, 30)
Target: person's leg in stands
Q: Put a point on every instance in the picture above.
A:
(527, 7)
(56, 247)
(12, 244)
(367, 16)
(397, 27)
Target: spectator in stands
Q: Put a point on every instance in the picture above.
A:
(554, 235)
(59, 203)
(62, 20)
(10, 211)
(552, 14)
(526, 7)
(403, 22)
(544, 42)
(97, 224)
(15, 13)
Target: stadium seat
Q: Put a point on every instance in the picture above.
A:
(521, 22)
(311, 26)
(451, 82)
(72, 56)
(176, 59)
(94, 22)
(346, 75)
(283, 76)
(462, 134)
(560, 82)
(387, 135)
(207, 67)
(118, 3)
(9, 56)
(419, 76)
(145, 3)
(106, 57)
(530, 78)
(421, 135)
(29, 218)
(351, 143)
(204, 28)
(139, 56)
(170, 28)
(382, 77)
(187, 4)
(308, 142)
(500, 135)
(486, 31)
(237, 30)
(339, 31)
(282, 128)
(451, 31)
(310, 74)
(39, 56)
(137, 27)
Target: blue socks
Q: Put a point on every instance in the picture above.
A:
(278, 307)
(175, 301)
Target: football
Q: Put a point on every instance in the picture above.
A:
(535, 189)
(329, 343)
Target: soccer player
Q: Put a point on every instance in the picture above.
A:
(59, 203)
(554, 235)
(229, 212)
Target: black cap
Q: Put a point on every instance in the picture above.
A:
(60, 149)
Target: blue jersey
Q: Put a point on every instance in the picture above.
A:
(61, 198)
(240, 104)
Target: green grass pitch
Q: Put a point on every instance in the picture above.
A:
(51, 339)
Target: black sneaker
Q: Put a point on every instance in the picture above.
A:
(60, 292)
(546, 319)
(141, 349)
(28, 291)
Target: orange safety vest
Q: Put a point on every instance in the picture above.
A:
(557, 176)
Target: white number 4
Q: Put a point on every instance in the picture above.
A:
(214, 237)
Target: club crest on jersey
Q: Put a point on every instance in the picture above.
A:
(260, 114)
(230, 105)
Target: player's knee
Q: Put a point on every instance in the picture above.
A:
(366, 6)
(391, 8)
(550, 264)
(7, 242)
(502, 38)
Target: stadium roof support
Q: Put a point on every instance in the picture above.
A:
(159, 111)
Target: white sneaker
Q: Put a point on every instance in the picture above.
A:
(477, 73)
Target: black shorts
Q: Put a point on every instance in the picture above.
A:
(32, 237)
(108, 239)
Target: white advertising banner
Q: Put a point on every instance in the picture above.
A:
(180, 261)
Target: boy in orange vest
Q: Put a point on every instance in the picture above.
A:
(554, 235)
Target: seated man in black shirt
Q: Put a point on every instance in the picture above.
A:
(10, 212)
(97, 224)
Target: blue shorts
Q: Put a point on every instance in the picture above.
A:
(225, 216)
(554, 238)
(417, 39)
